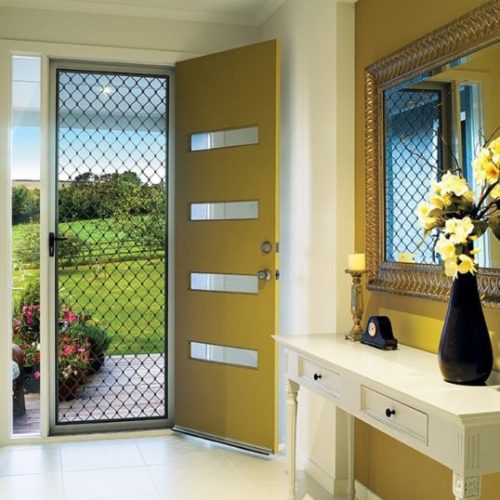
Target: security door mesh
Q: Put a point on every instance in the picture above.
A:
(413, 157)
(111, 264)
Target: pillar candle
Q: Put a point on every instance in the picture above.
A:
(356, 262)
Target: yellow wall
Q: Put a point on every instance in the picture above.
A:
(391, 470)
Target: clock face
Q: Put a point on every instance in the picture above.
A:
(372, 329)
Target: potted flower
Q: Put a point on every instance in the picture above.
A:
(457, 217)
(73, 362)
(26, 334)
(98, 339)
(82, 344)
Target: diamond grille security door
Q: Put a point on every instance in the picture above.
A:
(109, 246)
(414, 157)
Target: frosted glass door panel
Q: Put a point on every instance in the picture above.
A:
(203, 141)
(235, 283)
(230, 210)
(224, 354)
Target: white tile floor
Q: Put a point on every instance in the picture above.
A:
(173, 467)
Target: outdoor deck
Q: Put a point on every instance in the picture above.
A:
(126, 387)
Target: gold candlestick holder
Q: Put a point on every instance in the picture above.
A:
(356, 305)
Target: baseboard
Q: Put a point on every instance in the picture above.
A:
(338, 487)
(320, 475)
(363, 493)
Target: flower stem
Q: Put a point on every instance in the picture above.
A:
(480, 213)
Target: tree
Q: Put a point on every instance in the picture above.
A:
(140, 215)
(87, 177)
(95, 197)
(27, 251)
(25, 204)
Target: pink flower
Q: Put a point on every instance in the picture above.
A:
(36, 375)
(70, 316)
(28, 314)
(70, 349)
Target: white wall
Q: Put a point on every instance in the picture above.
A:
(317, 192)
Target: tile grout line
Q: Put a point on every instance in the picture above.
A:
(151, 478)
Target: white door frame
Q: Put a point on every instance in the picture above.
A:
(47, 52)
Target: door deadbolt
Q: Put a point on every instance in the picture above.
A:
(266, 247)
(264, 275)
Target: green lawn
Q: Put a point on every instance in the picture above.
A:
(125, 297)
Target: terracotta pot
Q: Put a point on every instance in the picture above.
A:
(69, 389)
(31, 384)
(96, 363)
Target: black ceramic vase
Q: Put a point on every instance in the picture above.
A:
(465, 353)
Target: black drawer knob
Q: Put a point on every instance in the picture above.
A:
(317, 376)
(389, 412)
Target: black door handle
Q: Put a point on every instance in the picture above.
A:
(52, 243)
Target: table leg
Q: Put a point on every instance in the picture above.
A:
(466, 487)
(350, 456)
(292, 390)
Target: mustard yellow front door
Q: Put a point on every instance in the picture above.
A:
(226, 248)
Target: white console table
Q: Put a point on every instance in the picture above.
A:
(402, 394)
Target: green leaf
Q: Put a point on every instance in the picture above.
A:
(436, 213)
(494, 223)
(480, 226)
(460, 249)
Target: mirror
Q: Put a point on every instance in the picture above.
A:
(432, 123)
(428, 108)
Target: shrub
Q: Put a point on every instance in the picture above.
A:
(25, 204)
(27, 251)
(98, 337)
(74, 362)
(26, 322)
(29, 296)
(82, 344)
(71, 247)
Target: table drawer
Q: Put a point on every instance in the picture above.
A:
(395, 414)
(322, 378)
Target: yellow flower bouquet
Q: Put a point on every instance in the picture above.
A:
(452, 210)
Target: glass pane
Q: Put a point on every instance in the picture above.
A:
(25, 172)
(413, 156)
(225, 210)
(238, 283)
(224, 138)
(223, 354)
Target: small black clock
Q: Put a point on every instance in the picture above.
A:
(379, 333)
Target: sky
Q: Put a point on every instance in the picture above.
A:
(129, 110)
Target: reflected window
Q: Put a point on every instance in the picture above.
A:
(414, 154)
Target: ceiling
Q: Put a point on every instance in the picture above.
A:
(243, 12)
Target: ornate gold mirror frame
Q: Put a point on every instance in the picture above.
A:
(469, 33)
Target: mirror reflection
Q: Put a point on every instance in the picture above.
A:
(435, 123)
